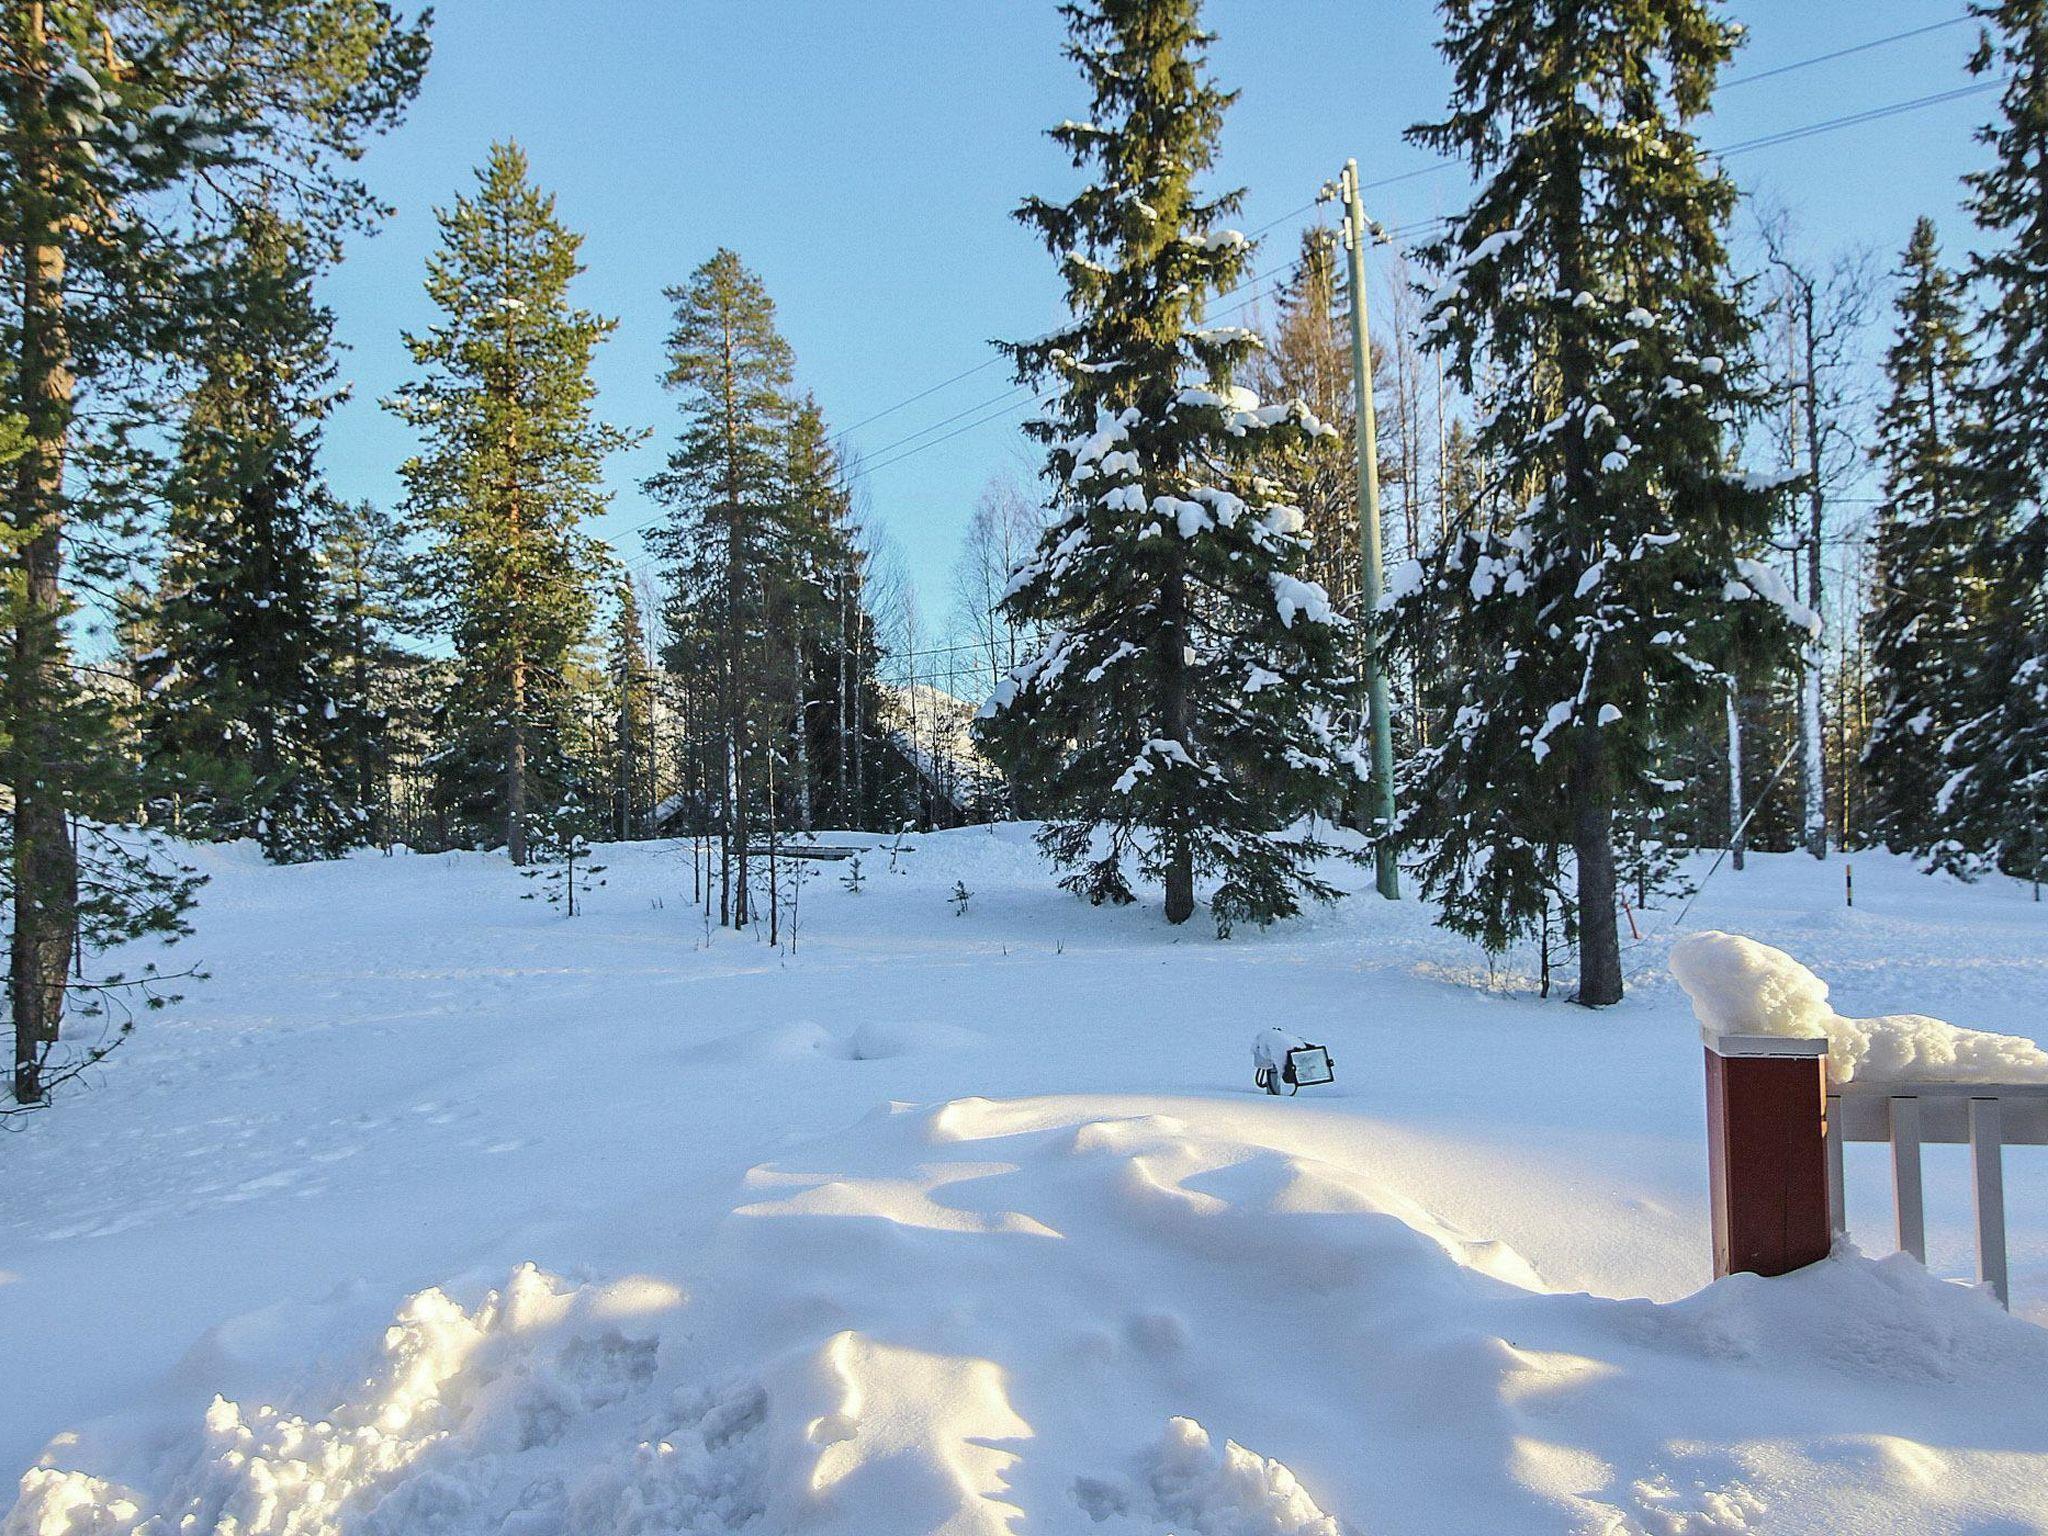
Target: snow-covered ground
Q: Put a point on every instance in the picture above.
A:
(435, 1211)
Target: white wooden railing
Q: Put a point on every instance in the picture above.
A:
(1987, 1116)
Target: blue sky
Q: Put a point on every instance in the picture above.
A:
(864, 158)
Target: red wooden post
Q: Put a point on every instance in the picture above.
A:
(1767, 1152)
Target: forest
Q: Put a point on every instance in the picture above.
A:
(1635, 604)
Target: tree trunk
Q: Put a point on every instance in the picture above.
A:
(624, 789)
(1593, 844)
(803, 742)
(840, 810)
(45, 869)
(1178, 848)
(515, 769)
(1811, 726)
(1737, 839)
(1590, 789)
(736, 627)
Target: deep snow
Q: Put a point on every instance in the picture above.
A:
(480, 1219)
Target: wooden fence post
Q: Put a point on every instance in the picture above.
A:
(1767, 1152)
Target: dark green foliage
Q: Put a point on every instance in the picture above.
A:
(1932, 602)
(1988, 812)
(373, 590)
(1588, 308)
(510, 469)
(248, 723)
(1181, 714)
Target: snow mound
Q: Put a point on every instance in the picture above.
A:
(1741, 987)
(1210, 1490)
(1132, 1315)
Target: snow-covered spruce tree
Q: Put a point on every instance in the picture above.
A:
(133, 132)
(726, 487)
(1587, 307)
(1180, 711)
(1990, 807)
(510, 469)
(249, 721)
(1930, 596)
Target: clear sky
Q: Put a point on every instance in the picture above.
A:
(863, 157)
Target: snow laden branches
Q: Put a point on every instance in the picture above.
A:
(1601, 586)
(1180, 715)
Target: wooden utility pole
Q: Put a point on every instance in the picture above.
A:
(1371, 561)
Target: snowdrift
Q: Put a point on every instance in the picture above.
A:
(1096, 1313)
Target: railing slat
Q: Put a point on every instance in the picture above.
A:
(1838, 1204)
(1907, 1204)
(1987, 1164)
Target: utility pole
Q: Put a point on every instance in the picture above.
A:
(1372, 576)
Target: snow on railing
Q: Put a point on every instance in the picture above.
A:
(1790, 1081)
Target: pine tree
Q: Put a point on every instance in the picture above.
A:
(250, 718)
(1181, 710)
(1931, 594)
(1306, 359)
(510, 471)
(725, 484)
(1587, 306)
(1989, 809)
(116, 110)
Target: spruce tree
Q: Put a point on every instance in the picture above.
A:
(1989, 809)
(821, 562)
(1587, 306)
(134, 132)
(726, 486)
(632, 690)
(510, 470)
(372, 586)
(1181, 713)
(249, 717)
(1931, 595)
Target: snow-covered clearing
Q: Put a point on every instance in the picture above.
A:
(482, 1220)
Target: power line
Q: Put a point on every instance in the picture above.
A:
(1001, 405)
(1446, 162)
(1851, 119)
(988, 363)
(1842, 53)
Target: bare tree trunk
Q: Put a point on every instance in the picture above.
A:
(624, 788)
(840, 811)
(774, 849)
(45, 870)
(515, 769)
(1737, 840)
(1812, 723)
(1178, 849)
(803, 741)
